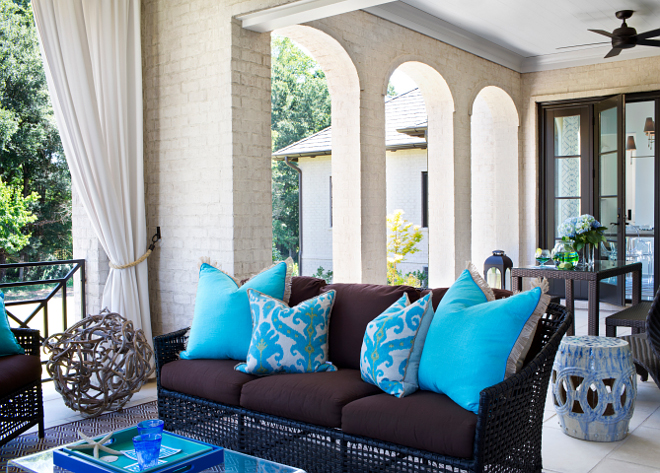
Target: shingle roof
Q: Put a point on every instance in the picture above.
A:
(403, 111)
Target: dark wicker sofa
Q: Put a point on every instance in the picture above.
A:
(335, 422)
(21, 404)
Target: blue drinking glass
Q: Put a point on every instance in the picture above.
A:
(147, 449)
(153, 426)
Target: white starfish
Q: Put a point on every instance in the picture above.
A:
(91, 443)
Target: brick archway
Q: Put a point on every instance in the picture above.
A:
(495, 175)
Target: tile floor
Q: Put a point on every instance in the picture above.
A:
(638, 453)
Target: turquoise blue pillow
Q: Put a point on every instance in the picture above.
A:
(476, 347)
(469, 289)
(392, 346)
(8, 343)
(222, 323)
(288, 339)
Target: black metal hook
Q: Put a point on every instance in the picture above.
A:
(154, 239)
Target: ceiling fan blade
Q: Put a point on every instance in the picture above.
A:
(613, 52)
(649, 34)
(649, 42)
(603, 32)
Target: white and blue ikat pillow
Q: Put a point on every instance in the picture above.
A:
(288, 339)
(393, 343)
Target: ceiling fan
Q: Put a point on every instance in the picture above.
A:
(626, 37)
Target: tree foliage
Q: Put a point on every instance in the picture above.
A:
(15, 215)
(300, 107)
(402, 240)
(31, 156)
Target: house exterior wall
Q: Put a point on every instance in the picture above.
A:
(404, 191)
(617, 77)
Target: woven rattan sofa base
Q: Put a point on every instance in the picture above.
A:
(508, 434)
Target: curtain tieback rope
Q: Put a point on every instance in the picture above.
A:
(154, 239)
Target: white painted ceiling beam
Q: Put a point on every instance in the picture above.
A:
(301, 11)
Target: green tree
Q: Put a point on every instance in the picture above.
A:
(31, 155)
(402, 240)
(300, 107)
(15, 215)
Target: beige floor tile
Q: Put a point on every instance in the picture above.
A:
(616, 466)
(642, 447)
(565, 454)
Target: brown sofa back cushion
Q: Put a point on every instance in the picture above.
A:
(355, 306)
(303, 288)
(440, 292)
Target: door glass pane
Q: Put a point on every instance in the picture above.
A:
(640, 205)
(608, 174)
(567, 177)
(565, 208)
(608, 137)
(567, 136)
(608, 215)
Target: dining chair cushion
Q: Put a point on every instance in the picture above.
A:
(8, 343)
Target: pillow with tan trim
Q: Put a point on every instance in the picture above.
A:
(222, 323)
(469, 348)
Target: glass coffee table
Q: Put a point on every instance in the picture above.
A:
(235, 462)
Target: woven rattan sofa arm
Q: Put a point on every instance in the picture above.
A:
(167, 348)
(510, 418)
(29, 339)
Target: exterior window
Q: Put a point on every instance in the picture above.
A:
(425, 199)
(330, 201)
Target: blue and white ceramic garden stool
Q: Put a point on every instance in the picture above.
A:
(594, 387)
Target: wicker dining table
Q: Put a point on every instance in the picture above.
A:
(603, 269)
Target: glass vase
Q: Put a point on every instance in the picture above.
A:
(564, 252)
(586, 257)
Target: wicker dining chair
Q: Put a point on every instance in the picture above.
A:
(21, 400)
(645, 346)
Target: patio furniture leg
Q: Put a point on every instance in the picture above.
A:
(636, 287)
(593, 306)
(610, 330)
(516, 284)
(570, 304)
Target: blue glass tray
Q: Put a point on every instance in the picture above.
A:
(194, 455)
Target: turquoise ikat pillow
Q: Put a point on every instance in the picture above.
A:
(392, 346)
(288, 339)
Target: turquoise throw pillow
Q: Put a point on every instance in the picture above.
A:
(479, 346)
(8, 343)
(469, 289)
(393, 344)
(288, 339)
(222, 323)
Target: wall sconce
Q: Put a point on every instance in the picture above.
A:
(630, 144)
(649, 130)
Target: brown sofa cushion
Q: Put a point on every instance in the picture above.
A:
(210, 379)
(303, 288)
(424, 420)
(355, 306)
(440, 292)
(17, 371)
(316, 398)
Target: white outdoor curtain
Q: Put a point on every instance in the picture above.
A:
(91, 50)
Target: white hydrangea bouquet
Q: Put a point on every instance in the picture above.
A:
(582, 231)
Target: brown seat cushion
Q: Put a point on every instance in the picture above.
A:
(210, 379)
(424, 420)
(316, 398)
(303, 288)
(17, 371)
(355, 306)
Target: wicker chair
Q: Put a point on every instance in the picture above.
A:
(633, 317)
(22, 407)
(645, 346)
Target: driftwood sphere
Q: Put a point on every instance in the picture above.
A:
(98, 363)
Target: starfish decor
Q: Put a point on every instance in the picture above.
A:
(91, 443)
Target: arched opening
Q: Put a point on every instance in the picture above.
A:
(331, 214)
(439, 134)
(495, 193)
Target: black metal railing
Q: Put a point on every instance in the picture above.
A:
(60, 285)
